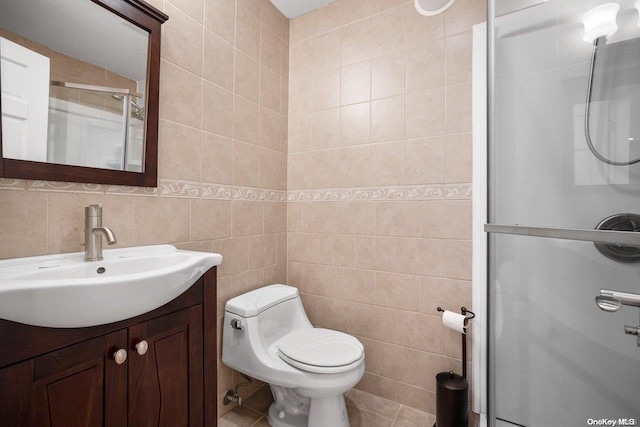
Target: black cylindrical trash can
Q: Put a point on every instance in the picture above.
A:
(452, 400)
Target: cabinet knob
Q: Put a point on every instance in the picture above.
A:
(142, 347)
(120, 356)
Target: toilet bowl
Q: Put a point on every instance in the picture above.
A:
(268, 336)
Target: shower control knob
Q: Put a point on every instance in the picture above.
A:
(142, 347)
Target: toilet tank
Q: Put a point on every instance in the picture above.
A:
(274, 310)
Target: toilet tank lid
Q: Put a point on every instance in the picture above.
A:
(255, 302)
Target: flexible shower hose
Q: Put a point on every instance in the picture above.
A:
(587, 113)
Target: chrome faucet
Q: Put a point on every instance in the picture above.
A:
(93, 233)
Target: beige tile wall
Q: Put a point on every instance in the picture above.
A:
(375, 155)
(379, 172)
(222, 159)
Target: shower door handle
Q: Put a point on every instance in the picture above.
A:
(618, 299)
(611, 301)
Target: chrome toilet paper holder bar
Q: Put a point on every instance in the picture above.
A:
(465, 313)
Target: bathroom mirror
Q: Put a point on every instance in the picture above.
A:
(79, 82)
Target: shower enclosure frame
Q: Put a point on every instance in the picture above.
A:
(484, 388)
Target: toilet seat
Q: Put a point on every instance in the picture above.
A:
(321, 350)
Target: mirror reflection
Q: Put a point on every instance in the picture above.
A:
(73, 84)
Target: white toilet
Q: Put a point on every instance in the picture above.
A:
(268, 336)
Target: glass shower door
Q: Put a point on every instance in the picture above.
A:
(558, 168)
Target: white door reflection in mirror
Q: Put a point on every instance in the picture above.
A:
(25, 102)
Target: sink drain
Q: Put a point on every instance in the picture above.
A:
(101, 270)
(617, 252)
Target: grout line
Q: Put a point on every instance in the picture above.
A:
(395, 418)
(259, 420)
(373, 413)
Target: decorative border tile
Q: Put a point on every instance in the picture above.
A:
(246, 193)
(188, 189)
(184, 189)
(132, 191)
(230, 192)
(459, 191)
(12, 184)
(216, 191)
(166, 188)
(413, 192)
(72, 187)
(428, 192)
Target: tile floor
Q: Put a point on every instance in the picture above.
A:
(365, 410)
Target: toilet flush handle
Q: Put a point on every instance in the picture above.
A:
(237, 324)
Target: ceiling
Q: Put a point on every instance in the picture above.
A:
(295, 8)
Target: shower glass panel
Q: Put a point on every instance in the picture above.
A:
(556, 358)
(109, 125)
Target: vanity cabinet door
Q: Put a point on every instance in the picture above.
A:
(79, 385)
(166, 370)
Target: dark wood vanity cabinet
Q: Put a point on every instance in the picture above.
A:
(72, 386)
(70, 377)
(164, 383)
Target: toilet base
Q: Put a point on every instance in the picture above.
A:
(323, 412)
(292, 409)
(288, 420)
(328, 411)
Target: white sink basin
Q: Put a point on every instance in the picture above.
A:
(64, 291)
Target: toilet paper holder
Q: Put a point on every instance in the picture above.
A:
(464, 312)
(468, 315)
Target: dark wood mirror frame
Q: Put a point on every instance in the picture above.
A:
(150, 19)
